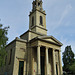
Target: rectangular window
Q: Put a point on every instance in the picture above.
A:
(41, 20)
(10, 56)
(33, 21)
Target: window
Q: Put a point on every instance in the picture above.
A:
(35, 4)
(10, 56)
(39, 4)
(32, 20)
(41, 20)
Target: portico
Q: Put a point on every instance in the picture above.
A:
(46, 60)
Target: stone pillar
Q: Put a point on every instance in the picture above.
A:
(58, 68)
(60, 63)
(38, 60)
(54, 63)
(37, 3)
(32, 64)
(47, 61)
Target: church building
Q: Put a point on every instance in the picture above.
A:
(34, 53)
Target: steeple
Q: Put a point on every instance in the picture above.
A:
(37, 18)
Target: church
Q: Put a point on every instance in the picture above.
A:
(34, 53)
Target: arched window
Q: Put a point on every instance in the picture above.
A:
(39, 4)
(35, 4)
(41, 20)
(32, 20)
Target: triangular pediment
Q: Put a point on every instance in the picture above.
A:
(51, 39)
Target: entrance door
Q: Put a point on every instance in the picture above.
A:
(56, 69)
(21, 66)
(42, 65)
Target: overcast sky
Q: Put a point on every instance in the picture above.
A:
(60, 19)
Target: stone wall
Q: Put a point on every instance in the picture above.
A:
(20, 55)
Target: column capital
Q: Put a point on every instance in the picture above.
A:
(59, 50)
(53, 49)
(47, 47)
(38, 45)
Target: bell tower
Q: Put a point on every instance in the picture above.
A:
(37, 18)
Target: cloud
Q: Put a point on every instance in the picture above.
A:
(65, 12)
(63, 15)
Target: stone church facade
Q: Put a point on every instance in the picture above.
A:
(34, 53)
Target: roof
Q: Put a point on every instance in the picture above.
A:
(16, 39)
(32, 32)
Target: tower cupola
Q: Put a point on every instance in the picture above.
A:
(37, 4)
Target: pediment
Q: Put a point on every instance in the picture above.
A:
(51, 39)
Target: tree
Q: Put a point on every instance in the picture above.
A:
(3, 42)
(68, 58)
(72, 68)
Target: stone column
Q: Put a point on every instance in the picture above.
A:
(54, 63)
(58, 68)
(60, 63)
(36, 4)
(38, 60)
(32, 64)
(47, 61)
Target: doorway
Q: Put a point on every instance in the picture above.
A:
(56, 69)
(42, 60)
(42, 65)
(21, 67)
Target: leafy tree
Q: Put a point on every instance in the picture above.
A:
(72, 68)
(3, 42)
(68, 58)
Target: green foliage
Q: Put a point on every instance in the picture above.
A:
(68, 58)
(3, 42)
(72, 68)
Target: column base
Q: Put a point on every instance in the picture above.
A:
(46, 74)
(38, 74)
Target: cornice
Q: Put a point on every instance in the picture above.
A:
(43, 12)
(17, 39)
(38, 27)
